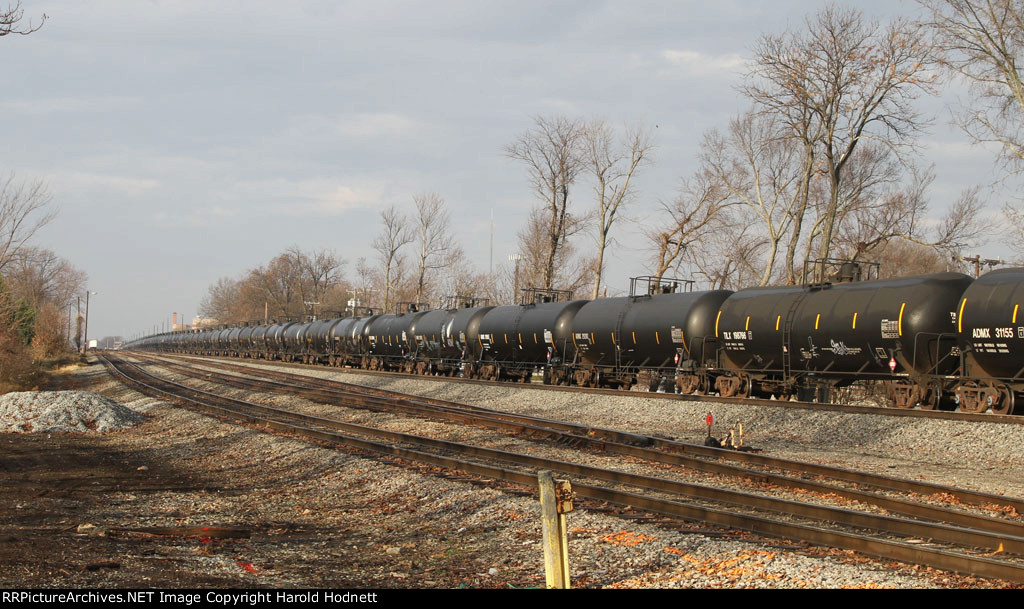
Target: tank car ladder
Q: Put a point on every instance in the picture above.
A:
(787, 337)
(618, 345)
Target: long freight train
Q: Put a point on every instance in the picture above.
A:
(943, 340)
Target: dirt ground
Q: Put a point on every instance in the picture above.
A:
(187, 501)
(78, 510)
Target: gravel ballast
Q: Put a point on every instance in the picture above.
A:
(327, 517)
(982, 456)
(63, 411)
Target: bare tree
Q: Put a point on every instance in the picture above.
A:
(460, 278)
(394, 235)
(570, 272)
(10, 21)
(551, 153)
(840, 82)
(24, 209)
(1014, 228)
(733, 258)
(366, 279)
(902, 215)
(437, 246)
(758, 166)
(612, 163)
(899, 258)
(40, 276)
(689, 218)
(221, 300)
(317, 272)
(982, 42)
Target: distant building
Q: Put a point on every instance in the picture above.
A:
(197, 323)
(107, 342)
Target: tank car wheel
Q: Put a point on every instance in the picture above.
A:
(1006, 401)
(932, 399)
(969, 400)
(689, 383)
(745, 388)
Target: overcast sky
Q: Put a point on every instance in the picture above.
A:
(185, 141)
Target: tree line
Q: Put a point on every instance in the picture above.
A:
(823, 162)
(36, 286)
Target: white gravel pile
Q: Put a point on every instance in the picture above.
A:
(47, 411)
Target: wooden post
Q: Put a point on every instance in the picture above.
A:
(555, 503)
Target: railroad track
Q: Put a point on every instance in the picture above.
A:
(847, 408)
(956, 547)
(698, 457)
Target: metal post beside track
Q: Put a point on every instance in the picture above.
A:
(555, 502)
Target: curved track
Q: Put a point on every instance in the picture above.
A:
(958, 547)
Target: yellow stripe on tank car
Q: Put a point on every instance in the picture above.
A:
(960, 317)
(613, 338)
(1015, 307)
(535, 339)
(716, 323)
(903, 306)
(777, 320)
(854, 321)
(816, 320)
(656, 339)
(747, 327)
(634, 338)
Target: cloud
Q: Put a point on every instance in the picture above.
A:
(69, 105)
(697, 63)
(356, 125)
(368, 125)
(323, 197)
(127, 185)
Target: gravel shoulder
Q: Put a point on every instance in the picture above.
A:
(324, 517)
(982, 456)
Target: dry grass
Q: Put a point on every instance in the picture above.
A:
(22, 370)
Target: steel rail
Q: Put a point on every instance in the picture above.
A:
(332, 397)
(847, 408)
(908, 552)
(671, 451)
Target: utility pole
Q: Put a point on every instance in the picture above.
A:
(85, 342)
(70, 304)
(978, 261)
(78, 325)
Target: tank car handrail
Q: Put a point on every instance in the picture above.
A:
(654, 282)
(938, 359)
